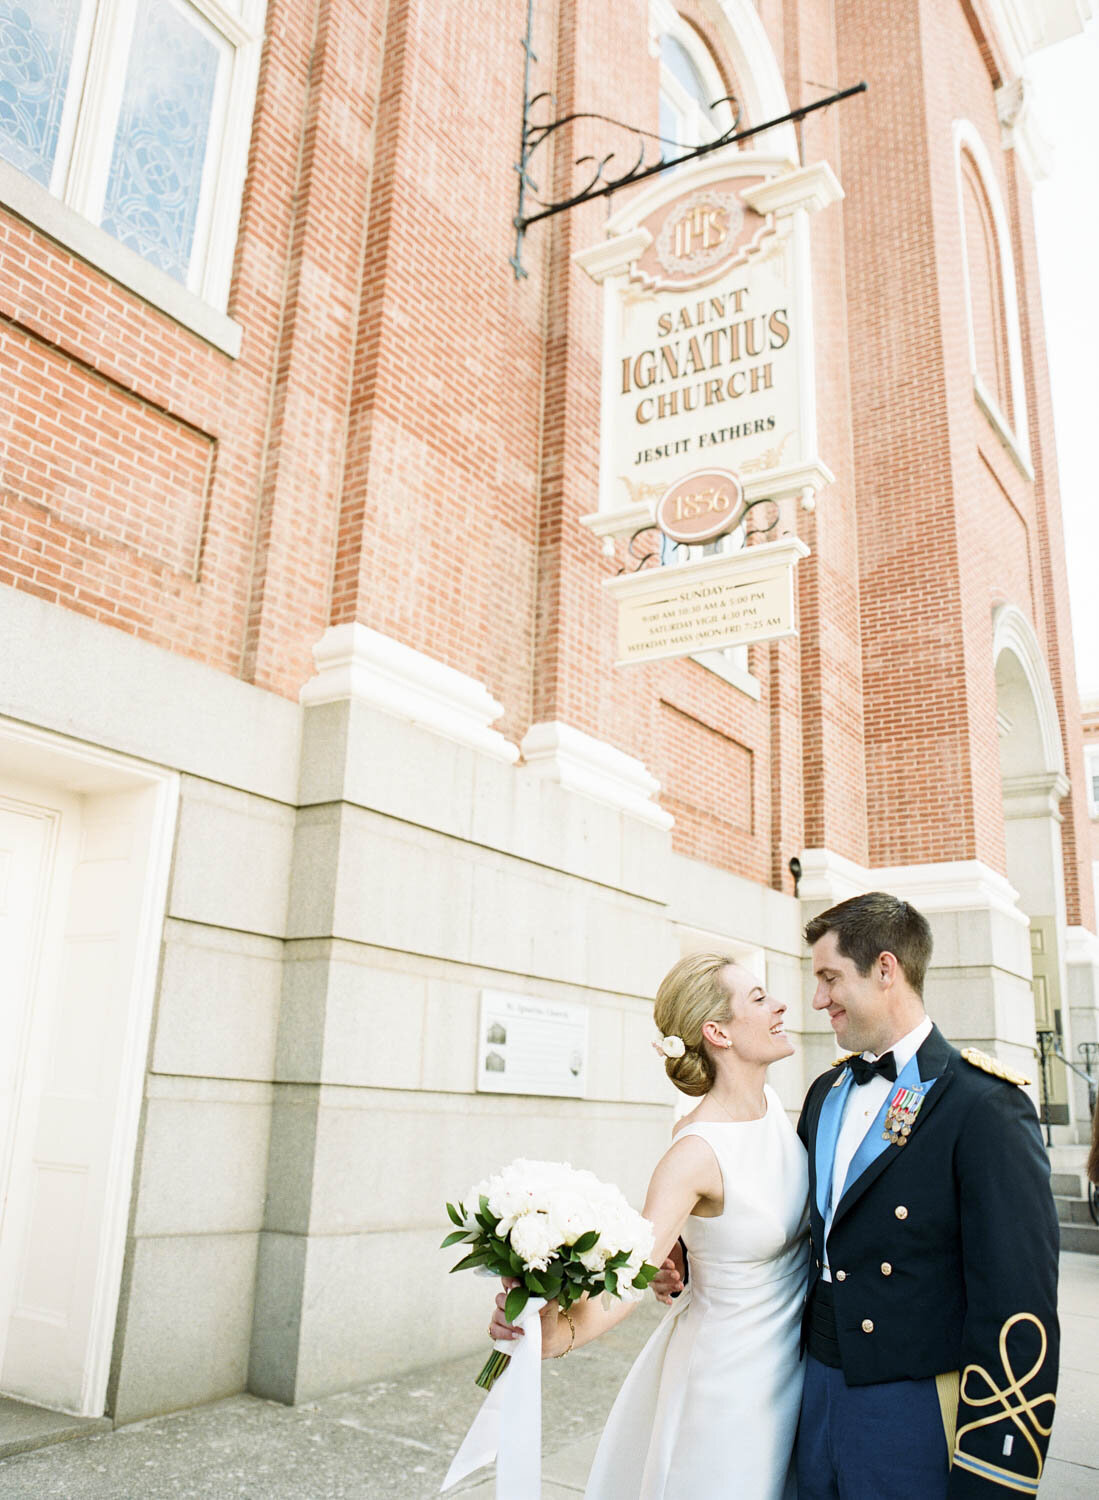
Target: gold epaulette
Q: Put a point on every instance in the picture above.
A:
(839, 1062)
(978, 1059)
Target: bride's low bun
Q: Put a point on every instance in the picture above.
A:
(690, 994)
(693, 1073)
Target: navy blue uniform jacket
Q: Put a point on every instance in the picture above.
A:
(943, 1255)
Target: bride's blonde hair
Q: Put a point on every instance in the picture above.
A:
(690, 994)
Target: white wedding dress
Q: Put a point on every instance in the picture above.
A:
(710, 1408)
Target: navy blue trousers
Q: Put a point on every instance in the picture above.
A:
(869, 1442)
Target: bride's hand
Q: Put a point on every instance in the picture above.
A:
(552, 1324)
(500, 1328)
(668, 1281)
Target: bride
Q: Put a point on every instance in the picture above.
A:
(710, 1408)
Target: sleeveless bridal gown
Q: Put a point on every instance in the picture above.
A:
(710, 1408)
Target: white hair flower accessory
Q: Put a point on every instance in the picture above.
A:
(670, 1046)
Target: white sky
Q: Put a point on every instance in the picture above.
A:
(1066, 77)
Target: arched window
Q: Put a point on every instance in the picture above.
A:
(992, 312)
(986, 288)
(690, 84)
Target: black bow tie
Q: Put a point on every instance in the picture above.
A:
(862, 1071)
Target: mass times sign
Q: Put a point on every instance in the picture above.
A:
(705, 606)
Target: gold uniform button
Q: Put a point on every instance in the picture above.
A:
(841, 1275)
(900, 1211)
(867, 1326)
(886, 1268)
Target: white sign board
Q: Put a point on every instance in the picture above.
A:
(708, 353)
(708, 605)
(532, 1046)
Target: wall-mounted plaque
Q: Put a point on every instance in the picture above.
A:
(532, 1046)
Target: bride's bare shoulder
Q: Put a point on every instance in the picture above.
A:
(694, 1118)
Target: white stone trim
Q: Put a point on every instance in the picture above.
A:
(952, 885)
(1037, 796)
(1026, 26)
(955, 885)
(1081, 947)
(581, 763)
(830, 877)
(757, 69)
(355, 662)
(1091, 771)
(967, 138)
(162, 707)
(989, 405)
(1012, 631)
(1021, 129)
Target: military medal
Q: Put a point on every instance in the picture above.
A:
(901, 1114)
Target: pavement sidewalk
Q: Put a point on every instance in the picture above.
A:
(393, 1439)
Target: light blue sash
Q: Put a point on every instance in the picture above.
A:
(873, 1143)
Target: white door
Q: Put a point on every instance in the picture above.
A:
(74, 1014)
(26, 846)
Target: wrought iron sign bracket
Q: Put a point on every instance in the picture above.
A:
(602, 182)
(644, 554)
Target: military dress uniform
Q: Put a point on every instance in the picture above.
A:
(935, 1342)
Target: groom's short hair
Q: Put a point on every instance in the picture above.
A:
(867, 926)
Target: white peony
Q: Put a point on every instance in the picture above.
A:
(534, 1241)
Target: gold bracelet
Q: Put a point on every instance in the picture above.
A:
(572, 1332)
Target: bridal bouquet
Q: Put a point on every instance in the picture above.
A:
(556, 1229)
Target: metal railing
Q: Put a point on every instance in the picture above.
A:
(1049, 1046)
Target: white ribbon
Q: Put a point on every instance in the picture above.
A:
(508, 1427)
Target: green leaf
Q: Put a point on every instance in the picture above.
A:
(610, 1282)
(576, 1272)
(455, 1216)
(618, 1260)
(487, 1214)
(535, 1284)
(586, 1242)
(455, 1236)
(478, 1258)
(517, 1266)
(516, 1301)
(644, 1276)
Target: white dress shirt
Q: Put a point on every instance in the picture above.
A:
(861, 1107)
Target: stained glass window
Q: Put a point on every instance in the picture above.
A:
(155, 180)
(36, 47)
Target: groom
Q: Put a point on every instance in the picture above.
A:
(931, 1313)
(931, 1317)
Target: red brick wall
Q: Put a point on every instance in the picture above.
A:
(410, 435)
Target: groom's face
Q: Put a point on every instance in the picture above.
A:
(855, 1003)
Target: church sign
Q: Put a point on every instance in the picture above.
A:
(708, 377)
